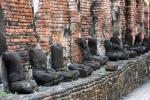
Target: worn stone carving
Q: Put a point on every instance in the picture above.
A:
(15, 74)
(115, 13)
(83, 69)
(41, 73)
(88, 65)
(113, 49)
(138, 46)
(57, 53)
(139, 39)
(57, 63)
(130, 52)
(92, 44)
(91, 59)
(129, 39)
(129, 43)
(73, 70)
(111, 67)
(146, 42)
(92, 64)
(94, 19)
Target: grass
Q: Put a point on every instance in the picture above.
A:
(2, 94)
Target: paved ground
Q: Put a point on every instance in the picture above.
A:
(141, 93)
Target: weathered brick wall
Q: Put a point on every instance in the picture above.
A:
(103, 25)
(55, 17)
(52, 25)
(146, 19)
(122, 19)
(51, 21)
(18, 27)
(140, 13)
(63, 21)
(131, 16)
(85, 17)
(134, 14)
(104, 19)
(140, 10)
(43, 22)
(75, 19)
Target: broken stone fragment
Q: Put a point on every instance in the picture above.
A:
(23, 87)
(68, 74)
(84, 70)
(92, 64)
(111, 67)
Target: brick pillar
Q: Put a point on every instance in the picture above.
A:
(102, 18)
(122, 19)
(146, 17)
(104, 26)
(140, 15)
(85, 6)
(59, 22)
(19, 27)
(74, 9)
(139, 10)
(43, 23)
(131, 18)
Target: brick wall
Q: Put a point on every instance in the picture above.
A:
(18, 27)
(140, 10)
(52, 25)
(131, 16)
(75, 19)
(43, 22)
(63, 21)
(55, 17)
(146, 18)
(104, 19)
(122, 18)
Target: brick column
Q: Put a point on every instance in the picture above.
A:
(19, 27)
(131, 18)
(85, 6)
(75, 18)
(122, 19)
(104, 26)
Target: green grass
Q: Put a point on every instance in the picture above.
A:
(2, 94)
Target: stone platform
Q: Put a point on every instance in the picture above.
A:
(101, 85)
